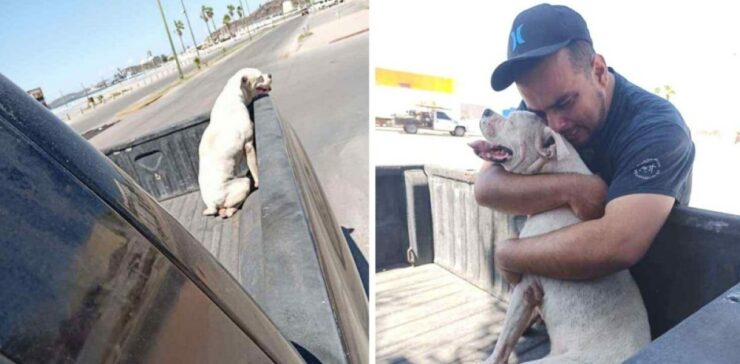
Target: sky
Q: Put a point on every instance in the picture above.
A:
(692, 46)
(57, 45)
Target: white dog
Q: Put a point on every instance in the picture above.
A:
(228, 138)
(596, 321)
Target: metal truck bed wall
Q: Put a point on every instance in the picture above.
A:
(694, 259)
(284, 246)
(164, 163)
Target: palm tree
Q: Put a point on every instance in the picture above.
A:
(179, 26)
(240, 11)
(209, 13)
(666, 91)
(204, 16)
(230, 8)
(227, 20)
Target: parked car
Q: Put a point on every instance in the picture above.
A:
(429, 118)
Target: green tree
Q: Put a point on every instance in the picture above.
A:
(209, 13)
(179, 27)
(230, 8)
(665, 91)
(227, 23)
(240, 11)
(204, 16)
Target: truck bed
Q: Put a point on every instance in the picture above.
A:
(284, 246)
(426, 314)
(224, 238)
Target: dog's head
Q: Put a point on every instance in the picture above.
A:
(517, 142)
(253, 82)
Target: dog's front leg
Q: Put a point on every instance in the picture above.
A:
(525, 297)
(251, 155)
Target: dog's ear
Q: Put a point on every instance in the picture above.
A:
(246, 88)
(551, 145)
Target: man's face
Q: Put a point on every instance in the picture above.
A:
(572, 101)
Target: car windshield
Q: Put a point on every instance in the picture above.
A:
(441, 115)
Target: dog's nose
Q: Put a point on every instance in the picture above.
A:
(269, 75)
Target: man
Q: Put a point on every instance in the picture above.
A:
(636, 142)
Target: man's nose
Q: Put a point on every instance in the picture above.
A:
(557, 122)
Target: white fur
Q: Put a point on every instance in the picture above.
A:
(595, 321)
(228, 138)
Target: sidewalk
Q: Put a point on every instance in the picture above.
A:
(342, 27)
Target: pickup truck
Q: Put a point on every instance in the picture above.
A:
(106, 257)
(413, 120)
(439, 298)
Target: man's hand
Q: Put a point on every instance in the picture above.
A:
(512, 277)
(590, 249)
(587, 202)
(529, 195)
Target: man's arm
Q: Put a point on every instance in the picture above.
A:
(593, 248)
(528, 195)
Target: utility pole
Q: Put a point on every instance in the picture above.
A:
(248, 30)
(66, 104)
(167, 29)
(87, 96)
(195, 44)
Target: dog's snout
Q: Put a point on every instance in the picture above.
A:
(269, 75)
(482, 124)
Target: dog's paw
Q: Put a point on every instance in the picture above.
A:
(210, 211)
(533, 294)
(229, 212)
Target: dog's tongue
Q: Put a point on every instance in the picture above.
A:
(482, 149)
(487, 151)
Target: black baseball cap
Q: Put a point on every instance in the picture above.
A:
(537, 32)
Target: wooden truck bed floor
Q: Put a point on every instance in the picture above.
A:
(227, 239)
(426, 314)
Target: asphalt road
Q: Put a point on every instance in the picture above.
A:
(322, 93)
(104, 114)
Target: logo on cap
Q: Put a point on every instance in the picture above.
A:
(516, 37)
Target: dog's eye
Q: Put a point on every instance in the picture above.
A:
(260, 79)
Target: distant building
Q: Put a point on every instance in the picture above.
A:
(508, 111)
(38, 94)
(471, 111)
(401, 90)
(150, 62)
(288, 6)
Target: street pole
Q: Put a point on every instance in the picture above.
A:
(248, 30)
(87, 96)
(167, 29)
(195, 44)
(66, 105)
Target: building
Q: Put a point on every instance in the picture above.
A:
(397, 91)
(38, 94)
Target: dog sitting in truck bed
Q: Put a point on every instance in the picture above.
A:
(595, 321)
(228, 139)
